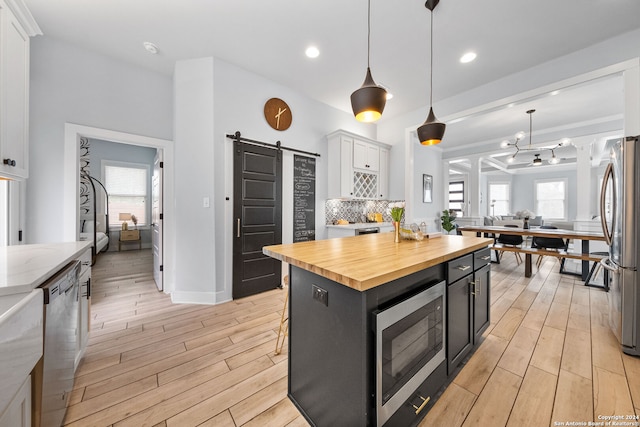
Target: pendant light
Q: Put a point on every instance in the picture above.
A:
(537, 161)
(432, 130)
(368, 102)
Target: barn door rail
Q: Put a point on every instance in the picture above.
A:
(278, 146)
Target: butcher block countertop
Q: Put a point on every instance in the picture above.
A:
(366, 261)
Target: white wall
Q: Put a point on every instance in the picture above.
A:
(69, 84)
(424, 160)
(238, 102)
(194, 181)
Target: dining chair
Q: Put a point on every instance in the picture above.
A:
(550, 243)
(513, 240)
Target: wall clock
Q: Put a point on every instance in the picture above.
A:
(278, 114)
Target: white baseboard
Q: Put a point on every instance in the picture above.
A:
(204, 298)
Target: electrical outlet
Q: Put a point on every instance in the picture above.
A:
(321, 295)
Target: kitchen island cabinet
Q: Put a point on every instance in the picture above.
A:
(468, 304)
(338, 288)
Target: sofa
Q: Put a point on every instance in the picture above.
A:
(512, 220)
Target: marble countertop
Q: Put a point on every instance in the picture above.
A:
(366, 261)
(25, 267)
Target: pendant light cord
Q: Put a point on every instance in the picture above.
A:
(368, 32)
(431, 65)
(530, 127)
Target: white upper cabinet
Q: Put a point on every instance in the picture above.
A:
(366, 156)
(16, 25)
(358, 167)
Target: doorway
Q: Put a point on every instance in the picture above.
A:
(257, 213)
(73, 133)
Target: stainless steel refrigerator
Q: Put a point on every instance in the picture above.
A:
(620, 216)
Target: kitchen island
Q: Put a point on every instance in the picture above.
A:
(338, 290)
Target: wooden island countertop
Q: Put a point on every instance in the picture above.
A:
(366, 261)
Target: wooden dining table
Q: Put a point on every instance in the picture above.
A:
(584, 236)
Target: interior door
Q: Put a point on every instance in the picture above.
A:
(156, 219)
(257, 209)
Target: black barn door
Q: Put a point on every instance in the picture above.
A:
(257, 209)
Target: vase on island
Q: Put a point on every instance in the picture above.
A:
(397, 211)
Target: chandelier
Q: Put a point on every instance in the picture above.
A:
(537, 161)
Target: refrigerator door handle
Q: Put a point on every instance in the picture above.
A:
(608, 174)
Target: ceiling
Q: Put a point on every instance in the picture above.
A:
(269, 38)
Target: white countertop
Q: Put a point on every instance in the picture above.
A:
(359, 225)
(25, 267)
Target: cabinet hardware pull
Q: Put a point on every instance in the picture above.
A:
(424, 403)
(238, 228)
(486, 258)
(463, 267)
(478, 287)
(473, 292)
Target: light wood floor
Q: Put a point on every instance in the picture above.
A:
(548, 357)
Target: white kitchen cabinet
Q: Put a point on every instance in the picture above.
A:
(21, 344)
(383, 180)
(18, 413)
(16, 25)
(366, 156)
(358, 167)
(84, 306)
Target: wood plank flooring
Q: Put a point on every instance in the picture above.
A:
(547, 358)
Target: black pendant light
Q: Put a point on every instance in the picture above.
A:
(368, 102)
(432, 130)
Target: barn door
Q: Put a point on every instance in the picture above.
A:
(257, 222)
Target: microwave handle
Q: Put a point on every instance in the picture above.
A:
(608, 174)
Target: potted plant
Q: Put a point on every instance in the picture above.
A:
(448, 218)
(397, 210)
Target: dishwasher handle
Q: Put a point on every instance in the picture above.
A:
(61, 282)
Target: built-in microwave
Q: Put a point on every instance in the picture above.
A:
(410, 345)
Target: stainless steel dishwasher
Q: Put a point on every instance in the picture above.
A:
(60, 335)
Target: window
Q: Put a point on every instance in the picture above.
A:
(127, 185)
(551, 200)
(499, 193)
(456, 196)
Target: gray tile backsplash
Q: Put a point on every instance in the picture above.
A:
(356, 210)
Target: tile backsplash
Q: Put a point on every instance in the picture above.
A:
(356, 210)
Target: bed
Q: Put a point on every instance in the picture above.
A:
(95, 226)
(101, 239)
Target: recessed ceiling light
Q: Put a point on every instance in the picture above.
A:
(468, 57)
(555, 92)
(312, 52)
(150, 47)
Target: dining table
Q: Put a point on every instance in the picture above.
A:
(535, 231)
